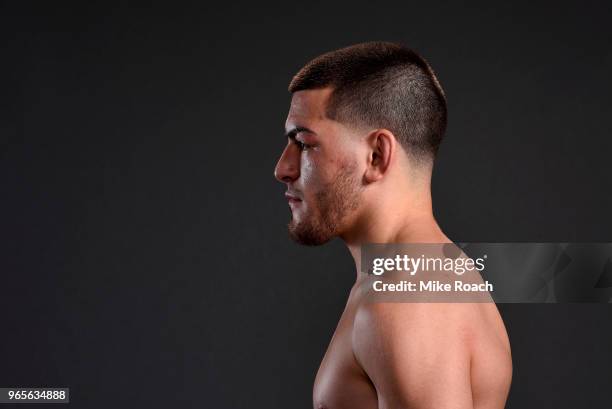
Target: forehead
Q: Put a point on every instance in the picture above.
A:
(308, 106)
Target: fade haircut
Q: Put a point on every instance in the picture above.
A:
(382, 85)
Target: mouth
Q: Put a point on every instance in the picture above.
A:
(292, 199)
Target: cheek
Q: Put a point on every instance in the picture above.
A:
(310, 171)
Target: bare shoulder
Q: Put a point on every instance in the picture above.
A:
(465, 323)
(407, 347)
(428, 320)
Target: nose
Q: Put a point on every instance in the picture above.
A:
(288, 166)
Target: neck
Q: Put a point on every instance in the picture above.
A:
(393, 224)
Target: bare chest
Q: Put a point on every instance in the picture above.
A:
(340, 381)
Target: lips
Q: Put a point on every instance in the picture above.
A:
(292, 198)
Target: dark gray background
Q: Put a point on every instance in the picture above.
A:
(144, 257)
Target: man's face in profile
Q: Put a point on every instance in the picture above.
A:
(320, 168)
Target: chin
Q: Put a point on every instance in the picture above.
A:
(309, 234)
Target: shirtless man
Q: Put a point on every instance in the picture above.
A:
(363, 129)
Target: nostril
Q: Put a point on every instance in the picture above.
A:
(285, 172)
(280, 176)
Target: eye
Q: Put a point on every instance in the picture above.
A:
(302, 146)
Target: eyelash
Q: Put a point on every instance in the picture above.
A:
(302, 146)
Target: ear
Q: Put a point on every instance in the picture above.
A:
(382, 148)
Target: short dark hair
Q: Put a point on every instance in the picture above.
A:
(385, 85)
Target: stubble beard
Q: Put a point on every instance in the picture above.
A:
(333, 203)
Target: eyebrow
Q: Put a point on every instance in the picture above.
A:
(295, 130)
